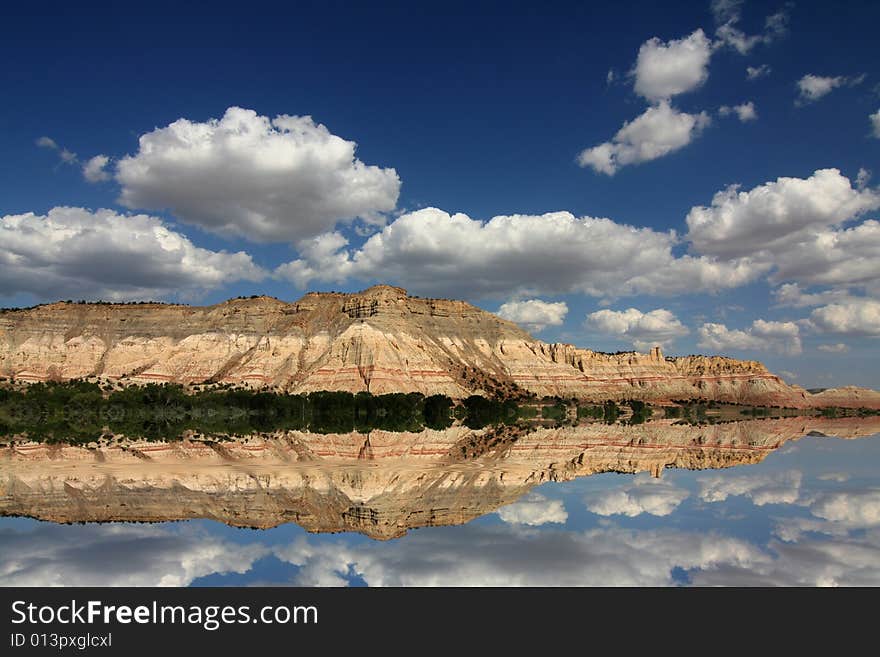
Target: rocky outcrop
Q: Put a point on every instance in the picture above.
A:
(379, 340)
(847, 396)
(381, 484)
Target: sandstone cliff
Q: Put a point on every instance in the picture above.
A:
(380, 484)
(379, 340)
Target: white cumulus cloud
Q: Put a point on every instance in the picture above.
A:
(77, 253)
(534, 314)
(854, 508)
(802, 231)
(838, 258)
(644, 330)
(660, 130)
(656, 497)
(477, 555)
(95, 170)
(791, 294)
(118, 555)
(745, 222)
(268, 180)
(855, 317)
(534, 510)
(875, 123)
(432, 252)
(780, 488)
(763, 335)
(813, 87)
(666, 69)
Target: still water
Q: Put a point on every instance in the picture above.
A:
(764, 505)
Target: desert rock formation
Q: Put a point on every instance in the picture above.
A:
(379, 340)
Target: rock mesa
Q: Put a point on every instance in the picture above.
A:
(379, 340)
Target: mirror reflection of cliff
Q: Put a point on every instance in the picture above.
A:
(380, 484)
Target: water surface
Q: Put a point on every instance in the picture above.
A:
(805, 511)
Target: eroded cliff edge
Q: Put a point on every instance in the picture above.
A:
(379, 340)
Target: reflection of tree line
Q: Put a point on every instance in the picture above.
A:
(79, 411)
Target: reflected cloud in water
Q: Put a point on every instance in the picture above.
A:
(534, 509)
(658, 497)
(804, 517)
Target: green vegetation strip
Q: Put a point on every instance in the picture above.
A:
(79, 412)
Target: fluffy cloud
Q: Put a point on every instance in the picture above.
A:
(660, 130)
(838, 258)
(853, 509)
(479, 555)
(117, 555)
(839, 561)
(790, 294)
(644, 330)
(744, 111)
(534, 510)
(662, 70)
(433, 252)
(666, 69)
(856, 317)
(875, 123)
(718, 337)
(646, 495)
(534, 314)
(82, 254)
(791, 230)
(471, 555)
(775, 214)
(795, 229)
(755, 72)
(838, 348)
(836, 512)
(780, 488)
(762, 335)
(813, 87)
(95, 170)
(281, 179)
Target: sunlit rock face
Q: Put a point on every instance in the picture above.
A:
(380, 484)
(379, 340)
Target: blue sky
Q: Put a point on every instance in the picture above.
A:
(612, 115)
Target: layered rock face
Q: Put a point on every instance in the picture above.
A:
(380, 484)
(379, 340)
